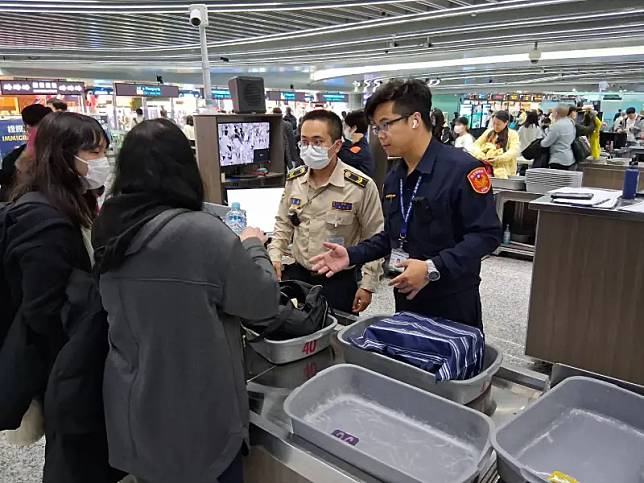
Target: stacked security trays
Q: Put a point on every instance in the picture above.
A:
(589, 430)
(291, 350)
(542, 180)
(391, 430)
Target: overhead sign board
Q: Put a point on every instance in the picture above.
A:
(146, 90)
(12, 135)
(41, 86)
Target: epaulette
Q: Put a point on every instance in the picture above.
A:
(296, 173)
(356, 178)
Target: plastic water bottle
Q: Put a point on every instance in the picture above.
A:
(507, 236)
(631, 181)
(236, 219)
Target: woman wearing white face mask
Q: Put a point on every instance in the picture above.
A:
(46, 242)
(464, 139)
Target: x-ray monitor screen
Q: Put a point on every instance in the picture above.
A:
(244, 143)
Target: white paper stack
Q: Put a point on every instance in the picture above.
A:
(542, 180)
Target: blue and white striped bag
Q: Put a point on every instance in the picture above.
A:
(449, 350)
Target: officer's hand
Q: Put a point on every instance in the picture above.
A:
(413, 279)
(331, 262)
(361, 301)
(278, 270)
(251, 232)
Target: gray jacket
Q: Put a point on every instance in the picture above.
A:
(175, 396)
(559, 139)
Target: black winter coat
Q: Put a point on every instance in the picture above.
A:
(8, 172)
(53, 336)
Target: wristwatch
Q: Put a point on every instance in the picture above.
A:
(433, 274)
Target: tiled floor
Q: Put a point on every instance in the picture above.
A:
(505, 293)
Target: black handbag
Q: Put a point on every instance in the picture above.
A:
(580, 149)
(537, 153)
(310, 315)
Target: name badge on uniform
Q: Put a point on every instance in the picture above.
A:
(398, 256)
(296, 202)
(341, 206)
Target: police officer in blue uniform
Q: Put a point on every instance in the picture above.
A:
(355, 149)
(440, 216)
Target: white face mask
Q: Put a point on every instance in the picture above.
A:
(98, 170)
(458, 129)
(315, 157)
(348, 133)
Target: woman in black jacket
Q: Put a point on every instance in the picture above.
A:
(46, 240)
(31, 116)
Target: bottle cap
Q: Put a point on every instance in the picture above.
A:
(236, 206)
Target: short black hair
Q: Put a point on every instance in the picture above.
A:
(631, 110)
(139, 112)
(408, 97)
(572, 109)
(332, 120)
(277, 110)
(463, 120)
(58, 104)
(502, 116)
(34, 113)
(156, 158)
(358, 120)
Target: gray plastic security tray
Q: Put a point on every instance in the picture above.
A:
(463, 392)
(291, 350)
(394, 431)
(590, 430)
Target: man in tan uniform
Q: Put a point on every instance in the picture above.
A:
(327, 201)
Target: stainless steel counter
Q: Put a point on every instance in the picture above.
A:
(280, 457)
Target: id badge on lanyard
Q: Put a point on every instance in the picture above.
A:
(399, 255)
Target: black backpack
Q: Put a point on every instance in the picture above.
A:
(310, 315)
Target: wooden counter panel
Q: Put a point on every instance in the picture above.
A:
(608, 178)
(587, 298)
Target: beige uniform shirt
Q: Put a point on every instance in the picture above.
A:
(346, 210)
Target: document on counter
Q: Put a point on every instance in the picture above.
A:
(600, 198)
(634, 208)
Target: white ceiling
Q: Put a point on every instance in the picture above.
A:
(285, 41)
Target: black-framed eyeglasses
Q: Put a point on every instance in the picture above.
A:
(384, 126)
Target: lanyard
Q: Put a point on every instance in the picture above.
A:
(406, 214)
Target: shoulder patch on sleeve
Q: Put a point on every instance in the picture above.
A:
(296, 173)
(355, 178)
(355, 149)
(479, 180)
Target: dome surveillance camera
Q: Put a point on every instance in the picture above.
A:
(535, 54)
(198, 15)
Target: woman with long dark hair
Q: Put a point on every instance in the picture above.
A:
(498, 147)
(46, 243)
(175, 282)
(440, 132)
(530, 130)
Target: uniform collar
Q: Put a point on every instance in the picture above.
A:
(427, 162)
(337, 177)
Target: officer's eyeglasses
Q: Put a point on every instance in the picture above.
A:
(384, 126)
(316, 143)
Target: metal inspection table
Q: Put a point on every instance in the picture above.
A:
(280, 457)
